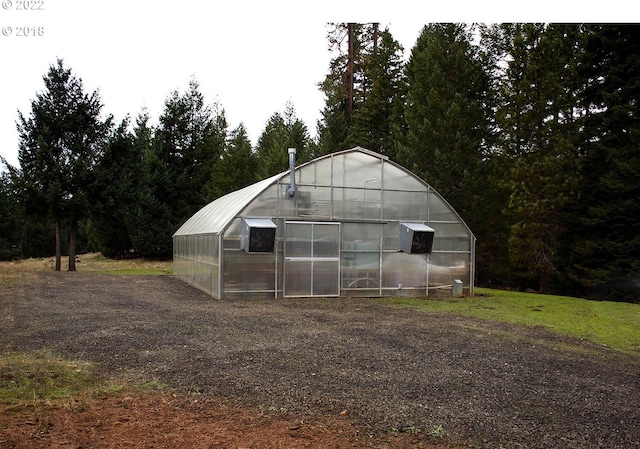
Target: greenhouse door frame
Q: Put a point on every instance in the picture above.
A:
(311, 259)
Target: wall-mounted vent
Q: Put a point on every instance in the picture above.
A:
(258, 235)
(416, 238)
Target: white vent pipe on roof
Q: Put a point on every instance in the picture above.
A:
(291, 191)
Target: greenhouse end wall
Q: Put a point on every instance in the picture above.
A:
(339, 236)
(196, 261)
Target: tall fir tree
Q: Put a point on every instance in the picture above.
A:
(537, 148)
(602, 238)
(237, 167)
(11, 216)
(446, 124)
(178, 166)
(281, 132)
(148, 217)
(379, 107)
(59, 144)
(188, 141)
(347, 82)
(114, 192)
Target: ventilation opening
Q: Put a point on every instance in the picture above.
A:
(258, 235)
(416, 238)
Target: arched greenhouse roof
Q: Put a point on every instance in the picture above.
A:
(213, 218)
(216, 216)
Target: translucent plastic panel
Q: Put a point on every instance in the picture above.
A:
(248, 295)
(325, 278)
(360, 269)
(193, 261)
(326, 240)
(354, 169)
(202, 276)
(318, 173)
(361, 236)
(396, 178)
(232, 234)
(178, 266)
(199, 241)
(361, 255)
(371, 204)
(298, 241)
(401, 270)
(298, 278)
(263, 205)
(347, 203)
(450, 229)
(439, 210)
(248, 272)
(405, 206)
(206, 249)
(312, 203)
(312, 240)
(356, 203)
(215, 281)
(445, 267)
(391, 236)
(452, 244)
(215, 249)
(192, 247)
(234, 228)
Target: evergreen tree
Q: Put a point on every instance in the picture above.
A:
(188, 142)
(446, 117)
(11, 220)
(376, 114)
(59, 144)
(332, 129)
(299, 137)
(237, 167)
(114, 193)
(179, 164)
(603, 235)
(151, 223)
(27, 234)
(346, 84)
(538, 146)
(148, 216)
(281, 132)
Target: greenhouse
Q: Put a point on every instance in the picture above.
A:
(348, 224)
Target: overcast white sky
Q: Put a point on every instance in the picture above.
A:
(251, 56)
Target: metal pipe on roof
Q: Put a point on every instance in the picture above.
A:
(291, 191)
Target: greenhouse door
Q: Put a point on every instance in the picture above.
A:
(311, 259)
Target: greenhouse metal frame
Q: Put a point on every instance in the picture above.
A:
(348, 224)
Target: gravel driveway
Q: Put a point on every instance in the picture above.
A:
(487, 385)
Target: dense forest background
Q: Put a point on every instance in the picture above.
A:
(530, 131)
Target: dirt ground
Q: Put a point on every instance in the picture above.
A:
(306, 373)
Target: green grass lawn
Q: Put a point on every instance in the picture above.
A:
(92, 263)
(40, 376)
(616, 325)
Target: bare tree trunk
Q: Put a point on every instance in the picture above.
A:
(350, 59)
(543, 280)
(72, 245)
(58, 246)
(376, 35)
